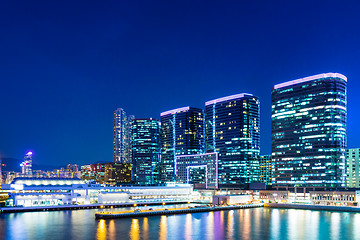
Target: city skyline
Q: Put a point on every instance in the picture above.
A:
(65, 70)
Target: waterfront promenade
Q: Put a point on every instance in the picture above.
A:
(312, 207)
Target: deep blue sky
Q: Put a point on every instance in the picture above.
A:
(65, 66)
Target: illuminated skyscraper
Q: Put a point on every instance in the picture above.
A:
(122, 152)
(181, 134)
(233, 131)
(309, 131)
(26, 165)
(145, 150)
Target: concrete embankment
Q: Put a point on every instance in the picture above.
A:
(84, 206)
(148, 213)
(312, 207)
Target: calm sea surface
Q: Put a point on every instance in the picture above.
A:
(255, 223)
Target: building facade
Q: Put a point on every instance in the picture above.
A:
(309, 131)
(121, 135)
(145, 150)
(353, 168)
(266, 169)
(107, 173)
(233, 131)
(197, 169)
(182, 133)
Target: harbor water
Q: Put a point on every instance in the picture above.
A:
(253, 223)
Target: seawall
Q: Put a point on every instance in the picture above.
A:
(312, 207)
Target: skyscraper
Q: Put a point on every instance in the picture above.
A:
(233, 131)
(26, 165)
(122, 136)
(309, 131)
(181, 134)
(145, 150)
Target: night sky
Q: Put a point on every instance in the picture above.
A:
(66, 66)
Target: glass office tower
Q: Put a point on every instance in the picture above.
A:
(181, 134)
(121, 134)
(145, 150)
(309, 131)
(233, 131)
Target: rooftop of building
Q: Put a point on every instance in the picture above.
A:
(231, 97)
(47, 181)
(177, 110)
(310, 78)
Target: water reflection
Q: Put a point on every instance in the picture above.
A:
(163, 228)
(112, 230)
(188, 226)
(134, 230)
(101, 230)
(335, 225)
(230, 225)
(275, 224)
(210, 226)
(145, 228)
(260, 223)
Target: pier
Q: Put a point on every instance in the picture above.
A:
(169, 211)
(85, 206)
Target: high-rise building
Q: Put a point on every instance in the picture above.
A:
(182, 133)
(26, 165)
(145, 150)
(122, 151)
(266, 169)
(233, 131)
(309, 131)
(353, 168)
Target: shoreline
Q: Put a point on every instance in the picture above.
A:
(312, 207)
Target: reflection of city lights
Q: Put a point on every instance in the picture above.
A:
(230, 225)
(188, 226)
(101, 230)
(146, 228)
(210, 225)
(163, 228)
(112, 232)
(134, 231)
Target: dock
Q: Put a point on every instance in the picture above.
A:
(84, 206)
(170, 211)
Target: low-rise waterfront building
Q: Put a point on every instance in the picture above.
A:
(274, 196)
(335, 198)
(231, 199)
(30, 192)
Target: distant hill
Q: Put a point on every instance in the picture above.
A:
(11, 164)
